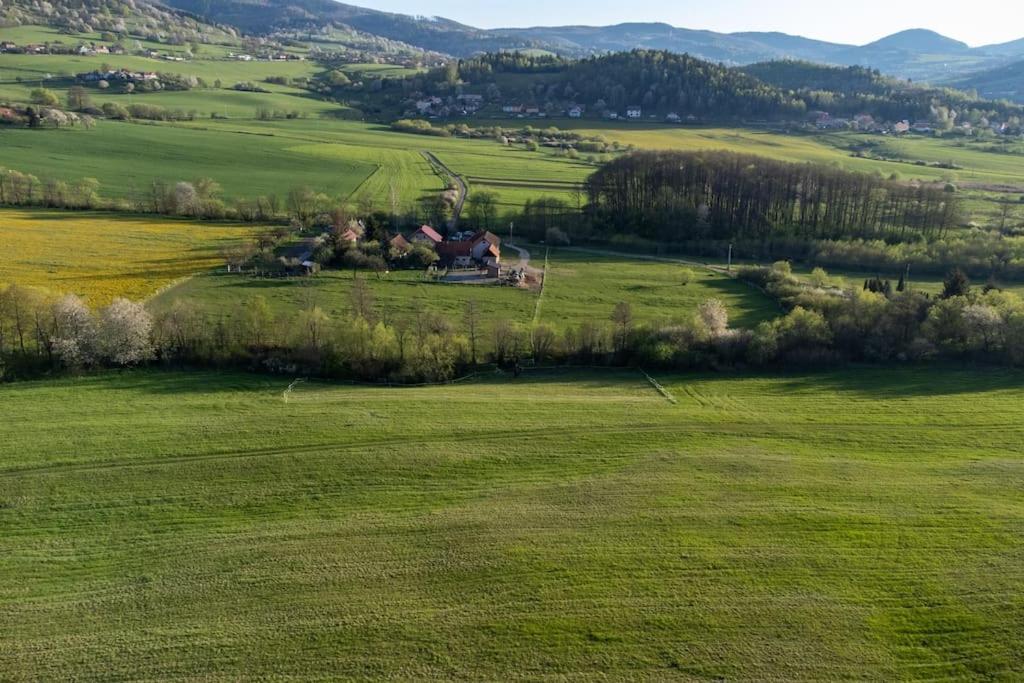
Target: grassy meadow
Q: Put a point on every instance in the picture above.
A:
(864, 524)
(578, 288)
(100, 256)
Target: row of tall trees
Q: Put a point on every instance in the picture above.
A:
(721, 195)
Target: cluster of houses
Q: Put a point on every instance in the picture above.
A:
(266, 57)
(481, 249)
(867, 124)
(33, 48)
(463, 250)
(436, 107)
(58, 48)
(469, 104)
(92, 49)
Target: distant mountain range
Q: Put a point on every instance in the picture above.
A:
(915, 54)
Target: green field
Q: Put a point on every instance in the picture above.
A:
(578, 288)
(127, 157)
(866, 525)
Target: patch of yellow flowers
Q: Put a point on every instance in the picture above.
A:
(101, 256)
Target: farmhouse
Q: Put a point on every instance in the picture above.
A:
(455, 254)
(673, 118)
(576, 112)
(512, 109)
(399, 244)
(486, 247)
(428, 104)
(426, 235)
(634, 112)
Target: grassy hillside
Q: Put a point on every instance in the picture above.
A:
(250, 157)
(20, 74)
(126, 157)
(862, 524)
(100, 256)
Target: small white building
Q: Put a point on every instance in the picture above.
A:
(634, 112)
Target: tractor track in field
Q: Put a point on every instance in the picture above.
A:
(684, 429)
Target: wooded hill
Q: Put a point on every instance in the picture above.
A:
(663, 82)
(852, 90)
(145, 20)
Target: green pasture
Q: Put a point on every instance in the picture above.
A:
(864, 524)
(127, 157)
(579, 287)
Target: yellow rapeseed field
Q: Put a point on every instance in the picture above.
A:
(100, 256)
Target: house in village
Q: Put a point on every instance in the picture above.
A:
(454, 254)
(634, 112)
(349, 235)
(512, 109)
(471, 103)
(901, 127)
(673, 118)
(576, 112)
(864, 122)
(429, 105)
(426, 235)
(486, 247)
(399, 244)
(921, 127)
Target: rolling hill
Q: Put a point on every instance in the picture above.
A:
(919, 54)
(1004, 82)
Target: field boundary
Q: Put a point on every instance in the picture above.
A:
(543, 286)
(659, 388)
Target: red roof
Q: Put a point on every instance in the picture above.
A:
(429, 233)
(454, 249)
(486, 235)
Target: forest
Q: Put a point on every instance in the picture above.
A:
(678, 196)
(848, 91)
(665, 82)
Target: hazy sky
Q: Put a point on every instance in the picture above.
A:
(859, 22)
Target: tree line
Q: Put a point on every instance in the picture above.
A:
(821, 327)
(722, 195)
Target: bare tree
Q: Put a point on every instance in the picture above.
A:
(622, 316)
(362, 299)
(471, 318)
(542, 339)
